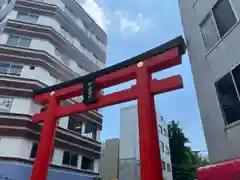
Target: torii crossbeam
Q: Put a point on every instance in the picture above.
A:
(139, 68)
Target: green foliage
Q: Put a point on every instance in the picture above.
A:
(184, 161)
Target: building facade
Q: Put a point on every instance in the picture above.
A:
(109, 161)
(212, 31)
(6, 7)
(45, 42)
(129, 163)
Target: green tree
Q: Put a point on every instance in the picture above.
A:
(184, 161)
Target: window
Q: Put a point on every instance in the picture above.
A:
(15, 69)
(4, 68)
(27, 17)
(167, 150)
(162, 146)
(13, 40)
(5, 104)
(75, 125)
(91, 128)
(163, 165)
(217, 23)
(32, 67)
(209, 32)
(224, 16)
(18, 41)
(10, 69)
(228, 96)
(25, 42)
(169, 167)
(70, 159)
(34, 150)
(87, 163)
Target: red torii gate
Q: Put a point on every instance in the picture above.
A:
(140, 68)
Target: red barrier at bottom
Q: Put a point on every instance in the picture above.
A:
(223, 171)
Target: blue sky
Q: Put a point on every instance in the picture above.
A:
(134, 27)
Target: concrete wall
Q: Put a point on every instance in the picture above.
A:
(128, 133)
(59, 3)
(28, 107)
(47, 21)
(45, 45)
(128, 169)
(58, 157)
(39, 74)
(222, 141)
(129, 145)
(15, 147)
(78, 19)
(96, 165)
(108, 168)
(21, 148)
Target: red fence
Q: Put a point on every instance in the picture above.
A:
(223, 171)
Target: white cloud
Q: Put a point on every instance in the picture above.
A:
(96, 12)
(117, 20)
(132, 24)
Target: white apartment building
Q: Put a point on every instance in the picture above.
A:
(129, 166)
(6, 7)
(44, 42)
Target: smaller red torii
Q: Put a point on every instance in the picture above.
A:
(140, 68)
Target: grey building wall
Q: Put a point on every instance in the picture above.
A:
(222, 140)
(128, 169)
(109, 161)
(112, 167)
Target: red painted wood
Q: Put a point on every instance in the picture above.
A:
(150, 160)
(163, 61)
(42, 161)
(157, 87)
(43, 99)
(166, 85)
(143, 91)
(157, 63)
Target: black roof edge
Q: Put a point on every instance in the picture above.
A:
(177, 42)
